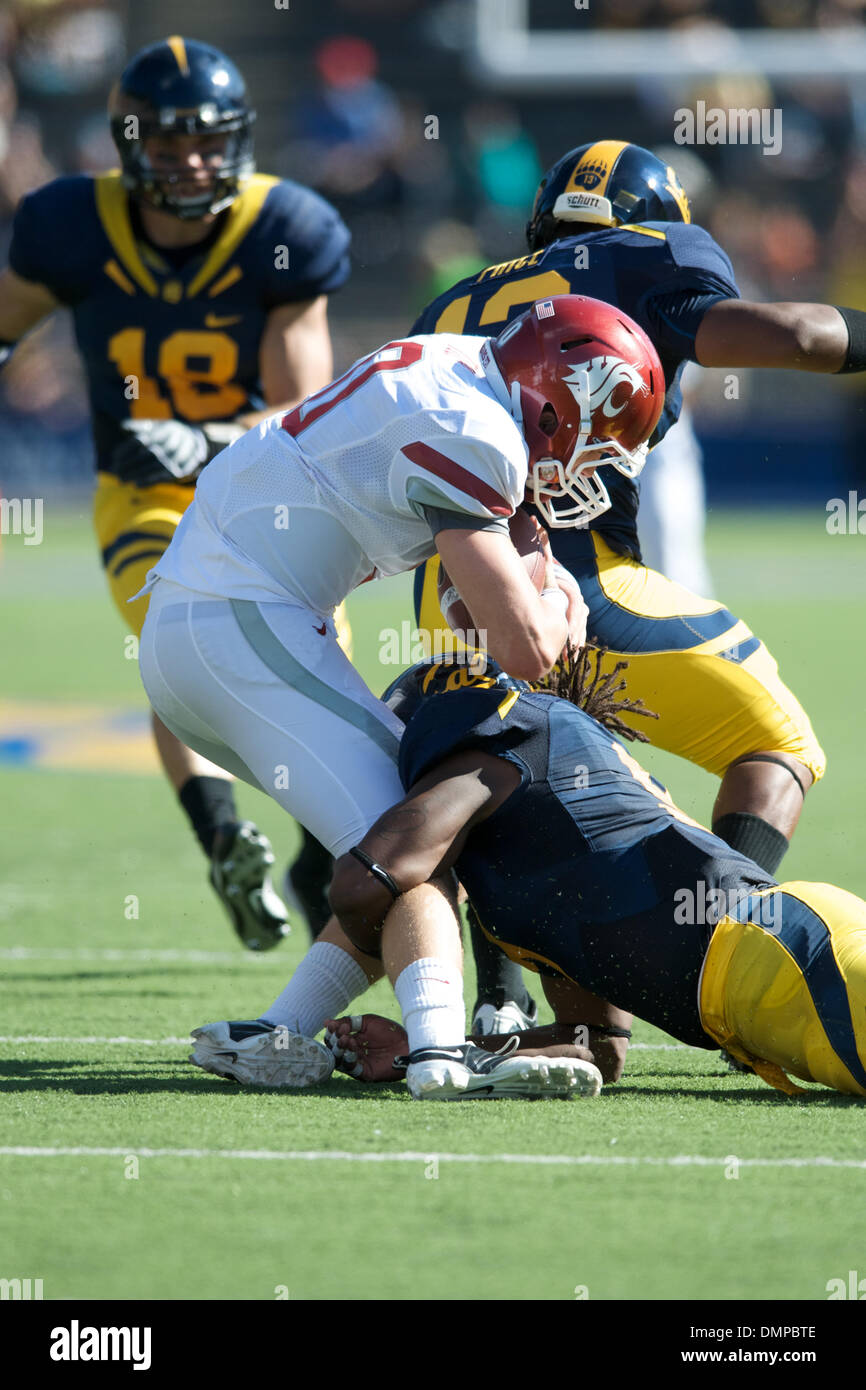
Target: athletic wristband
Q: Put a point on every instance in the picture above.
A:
(378, 872)
(855, 322)
(608, 1032)
(559, 595)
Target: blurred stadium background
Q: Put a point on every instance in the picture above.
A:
(344, 92)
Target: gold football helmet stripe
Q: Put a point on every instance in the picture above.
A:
(178, 49)
(601, 156)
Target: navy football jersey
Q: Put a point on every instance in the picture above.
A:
(664, 275)
(588, 867)
(167, 336)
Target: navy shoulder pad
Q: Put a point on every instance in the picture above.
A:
(692, 248)
(57, 237)
(474, 716)
(316, 242)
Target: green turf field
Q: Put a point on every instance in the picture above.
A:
(126, 1173)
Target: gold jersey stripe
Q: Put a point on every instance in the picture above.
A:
(510, 700)
(114, 272)
(239, 219)
(231, 277)
(645, 231)
(112, 207)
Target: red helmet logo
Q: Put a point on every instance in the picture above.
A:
(587, 388)
(612, 383)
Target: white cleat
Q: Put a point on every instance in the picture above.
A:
(490, 1021)
(468, 1072)
(257, 1053)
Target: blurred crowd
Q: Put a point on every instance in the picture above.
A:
(434, 174)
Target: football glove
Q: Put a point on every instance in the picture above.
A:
(162, 451)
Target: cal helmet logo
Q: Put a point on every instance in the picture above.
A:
(611, 383)
(591, 175)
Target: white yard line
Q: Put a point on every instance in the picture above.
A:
(419, 1156)
(119, 1041)
(123, 1041)
(144, 955)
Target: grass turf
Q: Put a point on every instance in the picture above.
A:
(82, 845)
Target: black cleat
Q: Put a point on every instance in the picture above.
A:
(240, 874)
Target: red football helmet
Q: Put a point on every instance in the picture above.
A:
(587, 389)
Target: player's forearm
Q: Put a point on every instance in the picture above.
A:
(23, 304)
(295, 358)
(528, 644)
(802, 337)
(316, 374)
(524, 632)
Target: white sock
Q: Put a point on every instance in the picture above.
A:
(430, 995)
(323, 986)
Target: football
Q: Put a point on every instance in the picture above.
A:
(527, 543)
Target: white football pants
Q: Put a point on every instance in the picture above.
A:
(265, 691)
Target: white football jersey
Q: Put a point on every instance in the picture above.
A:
(311, 504)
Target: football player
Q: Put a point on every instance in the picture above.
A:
(581, 867)
(612, 221)
(426, 446)
(198, 290)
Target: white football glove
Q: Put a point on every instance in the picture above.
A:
(159, 451)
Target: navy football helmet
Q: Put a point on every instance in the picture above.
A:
(407, 693)
(182, 87)
(605, 184)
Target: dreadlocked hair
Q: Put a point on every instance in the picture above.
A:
(594, 691)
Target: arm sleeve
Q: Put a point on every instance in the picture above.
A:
(441, 519)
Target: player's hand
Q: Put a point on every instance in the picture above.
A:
(549, 562)
(365, 1046)
(577, 612)
(159, 451)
